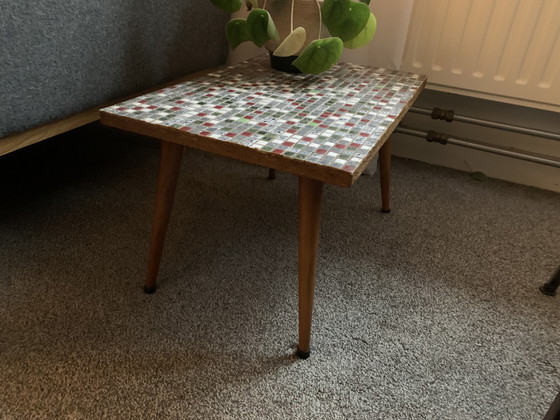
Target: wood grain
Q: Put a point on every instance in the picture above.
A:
(170, 163)
(385, 175)
(310, 193)
(329, 175)
(37, 134)
(326, 174)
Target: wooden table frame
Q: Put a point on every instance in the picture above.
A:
(309, 213)
(186, 131)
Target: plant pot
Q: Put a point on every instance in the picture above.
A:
(284, 63)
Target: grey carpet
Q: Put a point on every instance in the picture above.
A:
(429, 312)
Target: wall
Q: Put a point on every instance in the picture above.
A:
(387, 49)
(494, 166)
(499, 51)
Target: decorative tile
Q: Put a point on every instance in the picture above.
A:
(332, 119)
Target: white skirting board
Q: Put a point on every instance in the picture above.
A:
(493, 166)
(469, 160)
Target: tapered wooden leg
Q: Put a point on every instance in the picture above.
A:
(310, 192)
(549, 288)
(169, 165)
(385, 175)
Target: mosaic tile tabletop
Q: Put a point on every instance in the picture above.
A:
(335, 119)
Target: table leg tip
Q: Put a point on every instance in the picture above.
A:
(149, 290)
(547, 291)
(303, 354)
(385, 210)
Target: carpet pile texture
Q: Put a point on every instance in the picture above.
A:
(429, 312)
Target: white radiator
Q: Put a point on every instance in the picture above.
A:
(506, 50)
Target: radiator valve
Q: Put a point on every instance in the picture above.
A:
(443, 114)
(435, 137)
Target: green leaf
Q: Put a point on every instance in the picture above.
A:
(334, 12)
(260, 27)
(292, 44)
(236, 32)
(365, 1)
(271, 29)
(353, 24)
(365, 36)
(320, 55)
(228, 5)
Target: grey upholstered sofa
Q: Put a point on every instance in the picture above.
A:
(61, 60)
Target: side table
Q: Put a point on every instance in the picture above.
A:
(323, 128)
